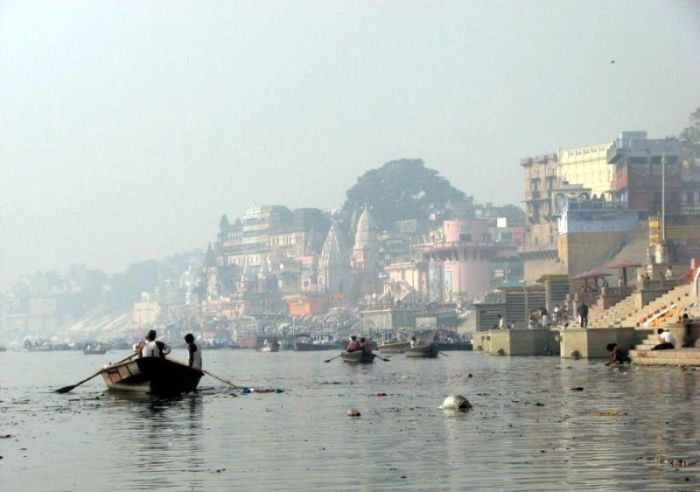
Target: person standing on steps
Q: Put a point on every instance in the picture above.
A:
(583, 314)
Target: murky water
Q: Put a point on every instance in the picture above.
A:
(528, 429)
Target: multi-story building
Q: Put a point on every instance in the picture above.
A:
(539, 253)
(641, 165)
(589, 167)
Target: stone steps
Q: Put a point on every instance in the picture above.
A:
(677, 357)
(678, 296)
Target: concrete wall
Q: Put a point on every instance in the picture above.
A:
(517, 342)
(468, 279)
(578, 343)
(535, 268)
(581, 252)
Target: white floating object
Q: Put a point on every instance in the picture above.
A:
(456, 402)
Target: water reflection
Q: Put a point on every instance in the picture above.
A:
(166, 439)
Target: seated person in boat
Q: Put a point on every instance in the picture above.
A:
(618, 354)
(194, 352)
(152, 347)
(354, 344)
(365, 345)
(414, 342)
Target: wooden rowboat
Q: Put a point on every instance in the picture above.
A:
(357, 357)
(429, 351)
(394, 347)
(151, 375)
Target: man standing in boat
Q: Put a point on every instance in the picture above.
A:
(154, 348)
(194, 352)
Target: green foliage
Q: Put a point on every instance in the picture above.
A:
(690, 136)
(401, 190)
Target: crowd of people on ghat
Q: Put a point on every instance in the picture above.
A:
(152, 347)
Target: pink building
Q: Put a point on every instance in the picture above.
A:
(464, 253)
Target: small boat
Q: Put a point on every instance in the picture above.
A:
(273, 346)
(306, 343)
(151, 375)
(395, 347)
(428, 351)
(357, 357)
(444, 346)
(94, 349)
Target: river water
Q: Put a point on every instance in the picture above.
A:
(528, 429)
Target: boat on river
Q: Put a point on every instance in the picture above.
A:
(394, 347)
(304, 342)
(427, 351)
(94, 349)
(445, 346)
(357, 357)
(151, 375)
(267, 346)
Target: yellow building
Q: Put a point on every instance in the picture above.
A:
(588, 166)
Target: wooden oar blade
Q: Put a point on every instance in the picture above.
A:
(65, 389)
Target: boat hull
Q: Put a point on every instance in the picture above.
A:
(151, 375)
(423, 352)
(394, 347)
(306, 347)
(445, 346)
(357, 357)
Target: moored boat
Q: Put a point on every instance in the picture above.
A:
(444, 346)
(307, 343)
(428, 351)
(151, 375)
(273, 346)
(357, 357)
(94, 349)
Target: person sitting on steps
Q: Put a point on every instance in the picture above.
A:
(668, 342)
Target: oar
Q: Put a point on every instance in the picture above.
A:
(443, 353)
(382, 358)
(333, 357)
(66, 389)
(225, 381)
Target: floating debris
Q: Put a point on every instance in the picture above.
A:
(456, 402)
(679, 462)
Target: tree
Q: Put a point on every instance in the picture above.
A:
(690, 136)
(400, 190)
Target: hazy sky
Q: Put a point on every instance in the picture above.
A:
(128, 128)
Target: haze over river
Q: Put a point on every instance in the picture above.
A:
(528, 429)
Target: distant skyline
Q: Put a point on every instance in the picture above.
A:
(128, 128)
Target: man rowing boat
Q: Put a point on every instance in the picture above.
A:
(152, 347)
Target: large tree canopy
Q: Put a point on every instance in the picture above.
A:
(400, 190)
